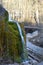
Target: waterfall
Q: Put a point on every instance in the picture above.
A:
(10, 19)
(23, 42)
(20, 31)
(19, 28)
(22, 38)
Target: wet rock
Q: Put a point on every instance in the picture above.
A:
(26, 63)
(40, 63)
(10, 64)
(14, 64)
(35, 62)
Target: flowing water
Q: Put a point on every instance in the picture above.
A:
(19, 28)
(22, 38)
(33, 47)
(10, 19)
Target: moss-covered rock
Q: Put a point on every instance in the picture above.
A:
(3, 28)
(10, 41)
(14, 41)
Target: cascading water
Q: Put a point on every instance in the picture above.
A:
(10, 19)
(19, 28)
(20, 31)
(22, 38)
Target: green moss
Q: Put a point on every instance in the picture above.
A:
(14, 43)
(18, 59)
(10, 41)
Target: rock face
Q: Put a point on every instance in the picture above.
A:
(11, 47)
(3, 14)
(3, 22)
(25, 9)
